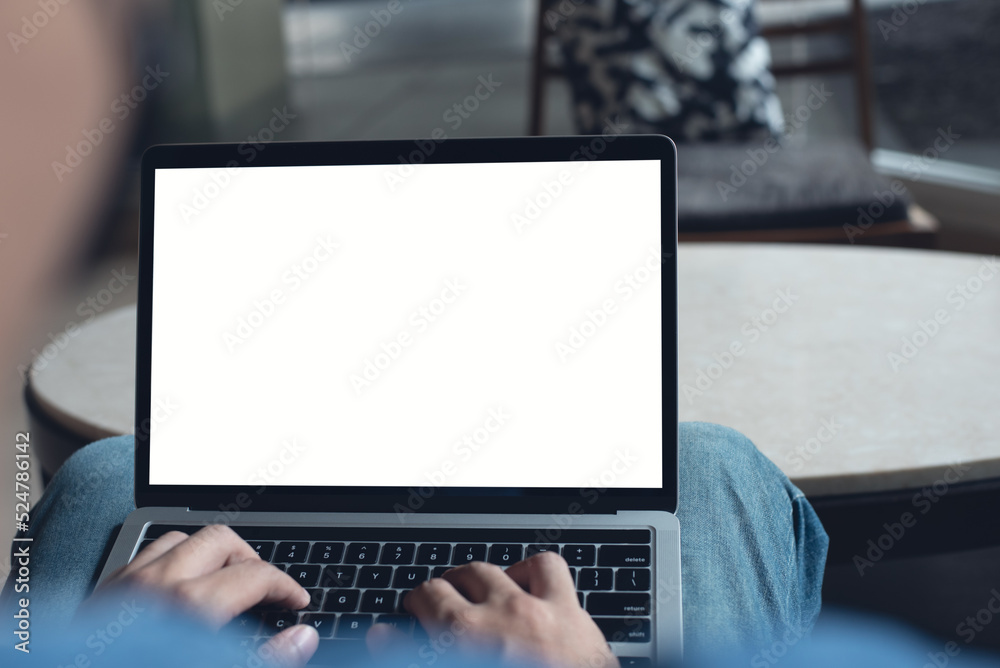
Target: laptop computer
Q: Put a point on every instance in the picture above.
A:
(391, 357)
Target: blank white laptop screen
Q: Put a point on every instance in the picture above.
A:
(471, 325)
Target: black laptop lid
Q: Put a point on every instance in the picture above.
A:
(466, 325)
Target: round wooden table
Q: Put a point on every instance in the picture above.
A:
(860, 369)
(866, 374)
(86, 391)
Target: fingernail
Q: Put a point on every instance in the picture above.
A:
(301, 636)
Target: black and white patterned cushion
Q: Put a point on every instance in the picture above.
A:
(693, 70)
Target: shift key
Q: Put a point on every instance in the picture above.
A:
(623, 555)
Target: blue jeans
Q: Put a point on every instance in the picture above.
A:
(752, 548)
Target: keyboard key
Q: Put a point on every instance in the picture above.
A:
(618, 605)
(617, 629)
(331, 651)
(378, 600)
(323, 623)
(315, 600)
(624, 555)
(338, 576)
(361, 553)
(341, 600)
(408, 577)
(291, 552)
(402, 622)
(305, 575)
(398, 553)
(326, 553)
(579, 595)
(263, 548)
(275, 622)
(579, 555)
(632, 579)
(433, 554)
(535, 548)
(280, 567)
(374, 576)
(466, 552)
(439, 571)
(246, 624)
(595, 579)
(505, 555)
(353, 626)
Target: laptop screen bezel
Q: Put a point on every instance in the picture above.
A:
(555, 501)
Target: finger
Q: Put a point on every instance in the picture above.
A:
(222, 595)
(545, 575)
(292, 647)
(384, 639)
(205, 551)
(436, 604)
(158, 547)
(151, 552)
(480, 581)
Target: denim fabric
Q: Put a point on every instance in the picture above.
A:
(752, 549)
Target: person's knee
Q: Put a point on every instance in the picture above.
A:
(98, 466)
(714, 449)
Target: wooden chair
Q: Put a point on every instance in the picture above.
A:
(818, 219)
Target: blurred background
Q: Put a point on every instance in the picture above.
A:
(912, 86)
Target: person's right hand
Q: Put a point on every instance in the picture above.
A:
(529, 612)
(215, 574)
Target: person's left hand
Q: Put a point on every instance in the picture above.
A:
(215, 574)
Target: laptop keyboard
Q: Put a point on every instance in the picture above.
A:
(359, 576)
